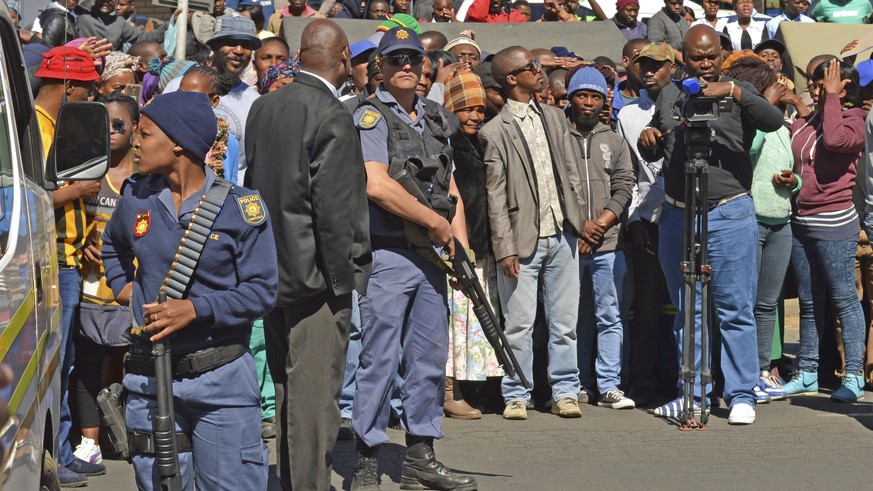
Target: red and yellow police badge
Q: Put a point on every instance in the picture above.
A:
(142, 223)
(252, 209)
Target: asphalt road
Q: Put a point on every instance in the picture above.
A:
(805, 443)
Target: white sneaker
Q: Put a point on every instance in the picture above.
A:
(742, 414)
(89, 451)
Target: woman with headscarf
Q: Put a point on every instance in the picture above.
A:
(118, 72)
(470, 356)
(278, 75)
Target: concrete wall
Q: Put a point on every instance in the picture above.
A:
(587, 39)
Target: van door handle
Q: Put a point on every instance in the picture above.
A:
(38, 267)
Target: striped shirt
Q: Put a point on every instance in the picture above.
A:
(69, 218)
(828, 225)
(98, 211)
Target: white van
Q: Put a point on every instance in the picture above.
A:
(30, 308)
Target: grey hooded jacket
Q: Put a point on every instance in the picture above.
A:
(607, 179)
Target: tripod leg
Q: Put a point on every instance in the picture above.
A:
(705, 277)
(689, 268)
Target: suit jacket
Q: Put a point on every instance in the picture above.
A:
(511, 183)
(305, 159)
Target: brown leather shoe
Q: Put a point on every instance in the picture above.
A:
(455, 406)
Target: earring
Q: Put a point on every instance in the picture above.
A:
(177, 149)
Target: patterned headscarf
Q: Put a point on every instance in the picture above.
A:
(118, 62)
(464, 90)
(286, 69)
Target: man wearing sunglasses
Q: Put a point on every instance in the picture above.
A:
(405, 304)
(532, 180)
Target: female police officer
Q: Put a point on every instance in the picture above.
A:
(217, 400)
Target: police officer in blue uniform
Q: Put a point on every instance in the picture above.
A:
(405, 302)
(216, 394)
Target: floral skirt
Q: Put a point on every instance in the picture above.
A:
(471, 357)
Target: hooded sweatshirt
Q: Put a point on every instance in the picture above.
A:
(827, 146)
(607, 178)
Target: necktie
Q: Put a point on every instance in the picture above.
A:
(746, 40)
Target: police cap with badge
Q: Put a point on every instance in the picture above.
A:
(422, 164)
(394, 40)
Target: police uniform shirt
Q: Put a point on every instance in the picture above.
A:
(374, 143)
(236, 277)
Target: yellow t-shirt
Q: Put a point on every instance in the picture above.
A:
(70, 218)
(98, 211)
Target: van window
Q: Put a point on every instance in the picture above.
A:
(7, 181)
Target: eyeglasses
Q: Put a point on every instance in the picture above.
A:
(119, 125)
(534, 67)
(402, 59)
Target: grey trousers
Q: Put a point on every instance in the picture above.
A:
(306, 352)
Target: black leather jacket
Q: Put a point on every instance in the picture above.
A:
(58, 27)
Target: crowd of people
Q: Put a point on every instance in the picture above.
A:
(357, 167)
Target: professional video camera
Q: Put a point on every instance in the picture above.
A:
(696, 111)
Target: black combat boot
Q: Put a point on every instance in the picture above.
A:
(421, 469)
(366, 476)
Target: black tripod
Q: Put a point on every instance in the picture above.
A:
(695, 268)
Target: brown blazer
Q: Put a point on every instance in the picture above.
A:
(511, 183)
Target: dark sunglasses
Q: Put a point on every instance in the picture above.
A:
(534, 67)
(402, 59)
(119, 125)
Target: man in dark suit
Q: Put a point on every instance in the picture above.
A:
(532, 180)
(305, 159)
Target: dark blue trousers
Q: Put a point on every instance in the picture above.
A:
(221, 410)
(406, 307)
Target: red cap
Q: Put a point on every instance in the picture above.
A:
(621, 4)
(64, 63)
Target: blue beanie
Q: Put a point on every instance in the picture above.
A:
(187, 118)
(588, 78)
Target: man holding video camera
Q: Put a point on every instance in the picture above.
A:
(732, 229)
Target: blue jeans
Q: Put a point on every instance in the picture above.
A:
(822, 269)
(733, 239)
(774, 253)
(556, 260)
(601, 277)
(70, 287)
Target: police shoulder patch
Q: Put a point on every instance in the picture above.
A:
(252, 209)
(368, 119)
